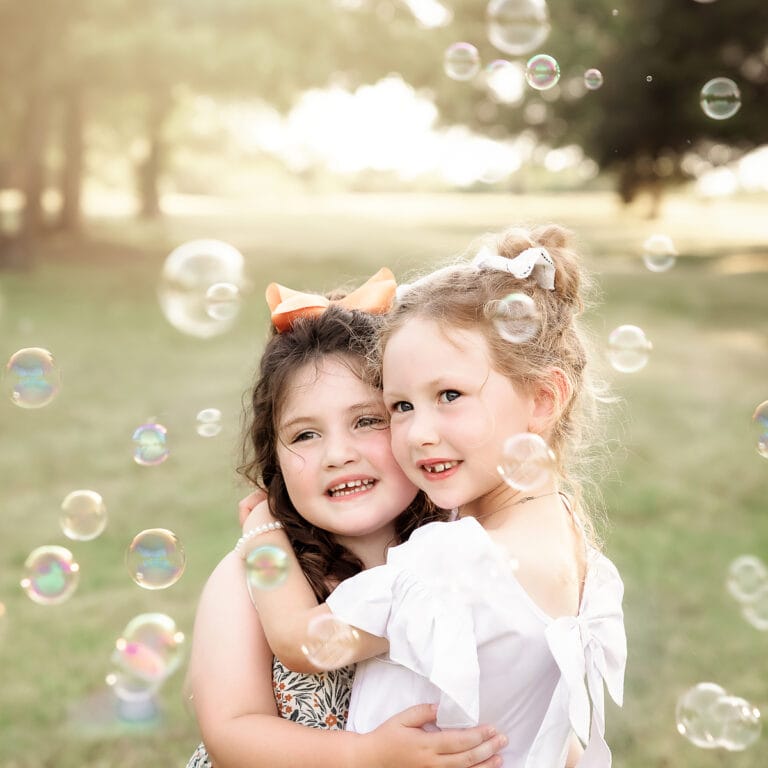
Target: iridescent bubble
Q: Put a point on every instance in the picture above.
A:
(222, 301)
(628, 349)
(747, 576)
(593, 79)
(739, 723)
(515, 317)
(150, 444)
(720, 98)
(760, 422)
(461, 61)
(756, 610)
(331, 643)
(659, 253)
(542, 72)
(32, 379)
(149, 648)
(51, 575)
(266, 567)
(527, 462)
(504, 80)
(83, 515)
(188, 274)
(695, 717)
(517, 27)
(209, 422)
(155, 558)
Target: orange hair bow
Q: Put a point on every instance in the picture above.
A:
(375, 295)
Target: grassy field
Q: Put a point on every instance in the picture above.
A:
(685, 491)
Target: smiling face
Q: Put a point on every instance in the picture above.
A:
(335, 456)
(450, 413)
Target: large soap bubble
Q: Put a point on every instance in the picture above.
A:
(461, 61)
(720, 98)
(200, 287)
(517, 27)
(527, 462)
(150, 647)
(32, 379)
(155, 558)
(83, 515)
(51, 575)
(628, 349)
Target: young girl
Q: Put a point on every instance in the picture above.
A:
(317, 442)
(510, 614)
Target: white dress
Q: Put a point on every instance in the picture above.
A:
(465, 635)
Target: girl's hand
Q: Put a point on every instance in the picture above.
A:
(245, 506)
(401, 742)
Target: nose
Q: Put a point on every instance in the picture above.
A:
(340, 450)
(422, 429)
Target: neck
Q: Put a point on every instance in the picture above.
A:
(497, 506)
(372, 547)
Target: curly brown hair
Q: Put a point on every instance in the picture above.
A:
(350, 336)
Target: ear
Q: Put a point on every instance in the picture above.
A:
(551, 395)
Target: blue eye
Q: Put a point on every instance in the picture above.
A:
(303, 436)
(449, 395)
(402, 406)
(371, 421)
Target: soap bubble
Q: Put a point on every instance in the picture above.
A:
(747, 575)
(189, 272)
(155, 558)
(504, 80)
(628, 349)
(527, 462)
(150, 444)
(266, 567)
(720, 98)
(51, 575)
(760, 422)
(222, 301)
(515, 317)
(32, 379)
(209, 422)
(593, 79)
(738, 723)
(542, 72)
(461, 61)
(331, 643)
(149, 648)
(83, 515)
(517, 27)
(695, 716)
(659, 253)
(756, 610)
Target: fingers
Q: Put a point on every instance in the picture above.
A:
(245, 506)
(472, 747)
(484, 755)
(417, 716)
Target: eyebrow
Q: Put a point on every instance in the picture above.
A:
(364, 405)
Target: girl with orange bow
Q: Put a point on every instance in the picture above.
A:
(510, 614)
(318, 444)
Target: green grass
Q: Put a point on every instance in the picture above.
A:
(685, 492)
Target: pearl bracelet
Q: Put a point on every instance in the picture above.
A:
(253, 533)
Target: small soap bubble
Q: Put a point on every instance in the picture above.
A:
(515, 317)
(628, 349)
(542, 72)
(760, 423)
(222, 301)
(593, 79)
(149, 648)
(150, 444)
(32, 379)
(527, 462)
(695, 717)
(517, 27)
(51, 575)
(738, 723)
(659, 253)
(747, 575)
(331, 643)
(266, 567)
(720, 98)
(461, 61)
(756, 610)
(155, 558)
(83, 515)
(209, 422)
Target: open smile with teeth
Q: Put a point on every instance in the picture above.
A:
(350, 488)
(436, 469)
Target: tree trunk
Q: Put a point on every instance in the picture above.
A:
(32, 161)
(151, 167)
(72, 174)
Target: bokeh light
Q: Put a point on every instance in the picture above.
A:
(628, 349)
(331, 643)
(659, 253)
(515, 317)
(517, 27)
(32, 379)
(150, 647)
(150, 444)
(504, 81)
(461, 61)
(51, 575)
(155, 558)
(542, 72)
(720, 98)
(760, 422)
(209, 422)
(83, 515)
(527, 463)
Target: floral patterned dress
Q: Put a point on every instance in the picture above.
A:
(318, 701)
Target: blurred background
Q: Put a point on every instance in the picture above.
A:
(161, 162)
